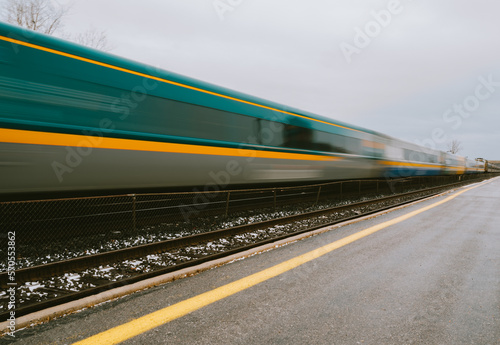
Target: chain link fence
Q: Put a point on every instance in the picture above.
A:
(52, 230)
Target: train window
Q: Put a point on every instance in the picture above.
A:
(353, 145)
(201, 122)
(308, 139)
(394, 152)
(329, 142)
(270, 132)
(164, 116)
(452, 161)
(227, 126)
(417, 156)
(373, 148)
(298, 137)
(408, 154)
(414, 156)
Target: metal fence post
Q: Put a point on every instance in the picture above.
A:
(274, 199)
(134, 220)
(317, 197)
(227, 204)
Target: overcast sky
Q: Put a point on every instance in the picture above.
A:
(424, 71)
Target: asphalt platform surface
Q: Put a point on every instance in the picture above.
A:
(433, 278)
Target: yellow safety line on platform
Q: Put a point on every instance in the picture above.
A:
(143, 324)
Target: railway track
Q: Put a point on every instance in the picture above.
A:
(189, 251)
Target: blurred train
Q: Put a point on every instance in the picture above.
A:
(76, 119)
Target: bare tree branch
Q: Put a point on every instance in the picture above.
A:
(455, 146)
(94, 39)
(37, 15)
(43, 16)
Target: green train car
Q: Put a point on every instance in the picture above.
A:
(76, 119)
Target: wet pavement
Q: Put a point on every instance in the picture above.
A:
(431, 279)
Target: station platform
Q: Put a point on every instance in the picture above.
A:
(427, 273)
